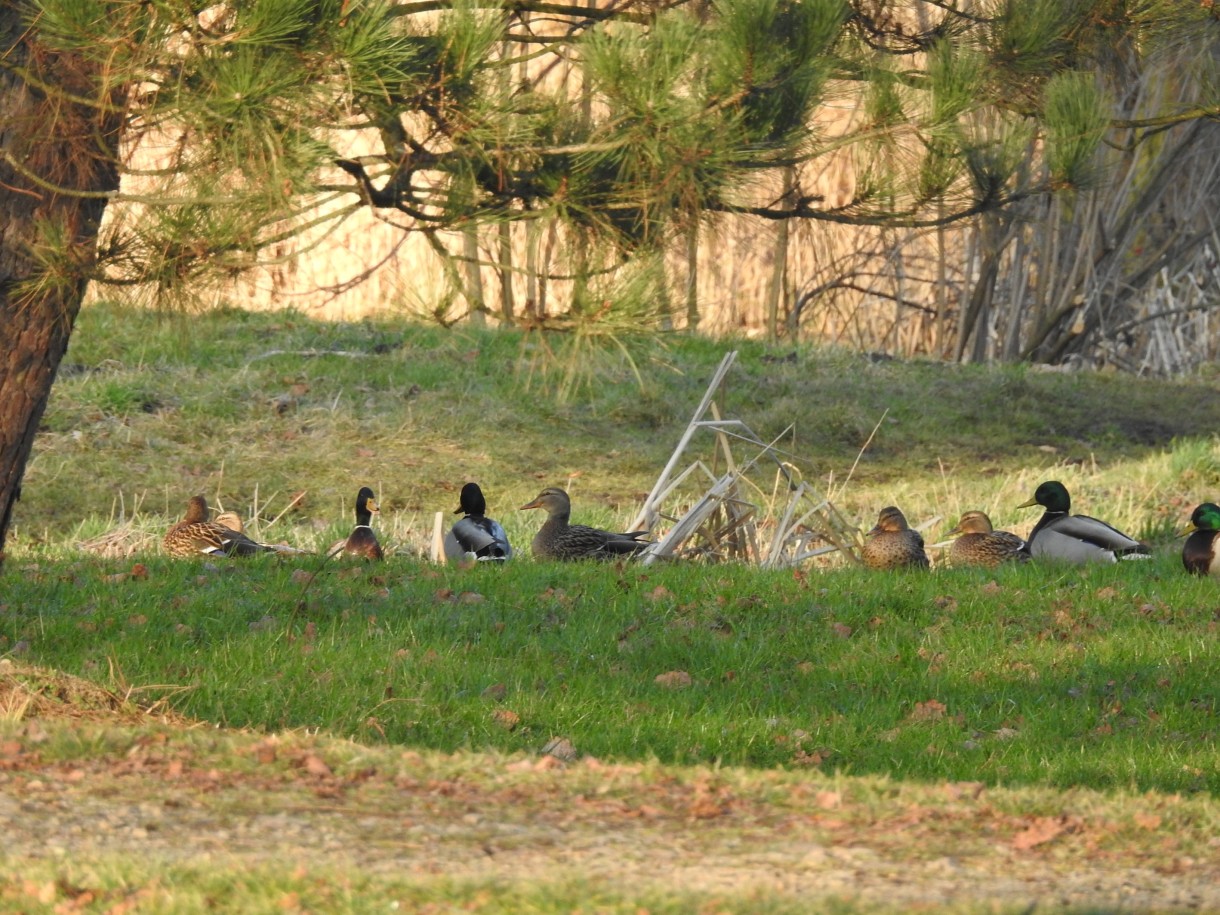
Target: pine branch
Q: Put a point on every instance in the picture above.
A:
(614, 12)
(803, 209)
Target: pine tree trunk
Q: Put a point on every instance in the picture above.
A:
(507, 308)
(60, 147)
(474, 277)
(775, 288)
(692, 278)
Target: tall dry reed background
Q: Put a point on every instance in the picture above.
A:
(1121, 274)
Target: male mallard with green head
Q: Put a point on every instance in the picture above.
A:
(1199, 554)
(195, 536)
(891, 544)
(1072, 538)
(978, 544)
(557, 539)
(362, 542)
(475, 536)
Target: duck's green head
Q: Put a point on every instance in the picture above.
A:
(1205, 518)
(472, 501)
(1051, 495)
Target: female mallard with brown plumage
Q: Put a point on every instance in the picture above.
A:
(891, 544)
(362, 542)
(231, 520)
(978, 544)
(557, 539)
(195, 536)
(1199, 553)
(1075, 538)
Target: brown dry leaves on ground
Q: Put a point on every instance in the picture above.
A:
(165, 791)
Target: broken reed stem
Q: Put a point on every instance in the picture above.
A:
(647, 517)
(868, 441)
(292, 503)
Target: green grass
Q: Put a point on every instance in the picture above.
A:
(1033, 676)
(1099, 678)
(188, 889)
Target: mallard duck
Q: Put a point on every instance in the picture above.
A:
(231, 520)
(557, 539)
(1075, 538)
(1199, 551)
(476, 536)
(891, 544)
(977, 544)
(195, 536)
(362, 542)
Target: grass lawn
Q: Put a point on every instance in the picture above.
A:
(1102, 678)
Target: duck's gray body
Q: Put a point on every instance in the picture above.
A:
(479, 538)
(475, 536)
(1078, 539)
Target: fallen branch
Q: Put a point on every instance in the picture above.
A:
(348, 354)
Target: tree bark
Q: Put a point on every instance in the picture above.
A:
(692, 277)
(507, 308)
(54, 148)
(779, 266)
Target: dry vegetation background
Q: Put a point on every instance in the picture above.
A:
(1123, 274)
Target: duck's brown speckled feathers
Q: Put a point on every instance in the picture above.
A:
(362, 542)
(231, 520)
(891, 544)
(1200, 555)
(196, 536)
(557, 539)
(980, 545)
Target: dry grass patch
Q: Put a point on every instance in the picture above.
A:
(28, 692)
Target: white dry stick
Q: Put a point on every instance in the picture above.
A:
(346, 354)
(720, 492)
(740, 519)
(781, 529)
(691, 521)
(648, 512)
(438, 537)
(292, 503)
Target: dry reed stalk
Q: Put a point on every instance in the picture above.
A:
(120, 542)
(648, 512)
(436, 544)
(722, 524)
(820, 523)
